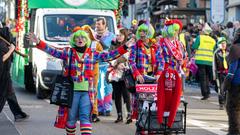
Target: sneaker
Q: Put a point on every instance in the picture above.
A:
(21, 117)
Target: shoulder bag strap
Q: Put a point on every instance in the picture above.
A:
(70, 62)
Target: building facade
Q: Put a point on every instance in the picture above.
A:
(193, 11)
(233, 10)
(7, 9)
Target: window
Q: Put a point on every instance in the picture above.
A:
(58, 28)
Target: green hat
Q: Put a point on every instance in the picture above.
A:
(220, 40)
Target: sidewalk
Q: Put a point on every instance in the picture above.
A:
(6, 127)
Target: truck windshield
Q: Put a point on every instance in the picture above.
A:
(58, 28)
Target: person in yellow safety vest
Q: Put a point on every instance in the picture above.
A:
(204, 49)
(95, 45)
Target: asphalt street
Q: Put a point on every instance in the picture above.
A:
(203, 117)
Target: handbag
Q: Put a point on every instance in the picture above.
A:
(62, 93)
(129, 81)
(128, 78)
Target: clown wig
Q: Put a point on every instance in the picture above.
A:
(78, 34)
(171, 27)
(148, 28)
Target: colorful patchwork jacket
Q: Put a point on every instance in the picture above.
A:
(139, 59)
(90, 57)
(168, 60)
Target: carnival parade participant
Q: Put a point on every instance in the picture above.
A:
(171, 57)
(104, 89)
(98, 47)
(83, 60)
(143, 59)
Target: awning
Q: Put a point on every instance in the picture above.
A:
(81, 4)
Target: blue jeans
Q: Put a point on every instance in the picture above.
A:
(81, 109)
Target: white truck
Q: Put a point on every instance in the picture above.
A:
(54, 26)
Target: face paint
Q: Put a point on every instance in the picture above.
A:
(80, 41)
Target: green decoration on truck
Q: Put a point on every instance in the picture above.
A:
(80, 4)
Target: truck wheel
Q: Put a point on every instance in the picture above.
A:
(40, 92)
(28, 78)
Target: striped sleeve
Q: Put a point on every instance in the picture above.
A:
(58, 53)
(108, 56)
(132, 61)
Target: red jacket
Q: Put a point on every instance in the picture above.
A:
(168, 95)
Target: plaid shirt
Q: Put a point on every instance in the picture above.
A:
(89, 59)
(167, 58)
(139, 59)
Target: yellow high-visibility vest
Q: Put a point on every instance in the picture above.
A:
(206, 48)
(182, 39)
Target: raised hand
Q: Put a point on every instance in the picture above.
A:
(33, 38)
(130, 42)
